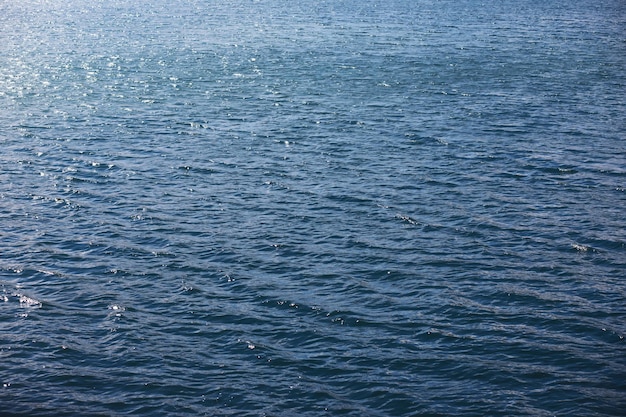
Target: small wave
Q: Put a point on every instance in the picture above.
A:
(28, 302)
(582, 248)
(407, 219)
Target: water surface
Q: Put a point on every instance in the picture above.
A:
(312, 208)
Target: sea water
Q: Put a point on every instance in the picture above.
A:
(308, 208)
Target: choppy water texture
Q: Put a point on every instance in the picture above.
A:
(312, 207)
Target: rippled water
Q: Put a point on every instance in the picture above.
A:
(312, 208)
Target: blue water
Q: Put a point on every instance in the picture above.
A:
(308, 208)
